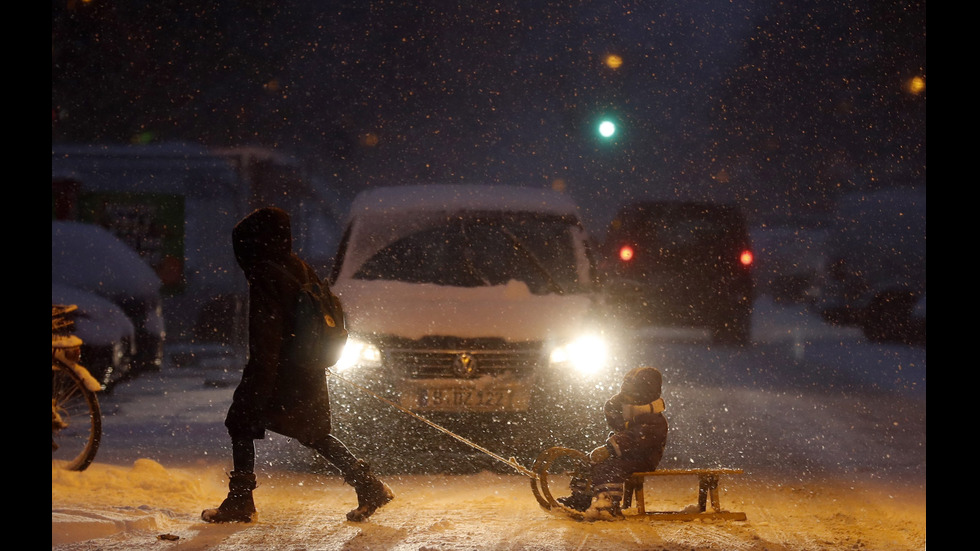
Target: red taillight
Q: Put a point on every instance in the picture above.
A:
(626, 253)
(745, 258)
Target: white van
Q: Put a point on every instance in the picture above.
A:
(470, 300)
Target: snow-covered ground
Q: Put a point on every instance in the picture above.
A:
(830, 430)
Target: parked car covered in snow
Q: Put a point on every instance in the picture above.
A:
(90, 258)
(470, 301)
(108, 337)
(789, 261)
(876, 264)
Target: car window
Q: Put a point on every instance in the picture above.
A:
(482, 250)
(678, 228)
(684, 232)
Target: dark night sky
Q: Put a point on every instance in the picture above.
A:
(778, 105)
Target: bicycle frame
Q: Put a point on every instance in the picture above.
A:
(63, 361)
(76, 417)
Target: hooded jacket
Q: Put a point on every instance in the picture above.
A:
(635, 415)
(273, 394)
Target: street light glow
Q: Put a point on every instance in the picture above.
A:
(915, 85)
(607, 129)
(614, 61)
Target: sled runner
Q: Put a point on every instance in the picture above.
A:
(708, 480)
(555, 467)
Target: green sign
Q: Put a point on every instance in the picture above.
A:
(151, 223)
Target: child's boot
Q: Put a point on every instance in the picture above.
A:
(581, 497)
(606, 504)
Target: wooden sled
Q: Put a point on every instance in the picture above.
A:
(708, 480)
(555, 467)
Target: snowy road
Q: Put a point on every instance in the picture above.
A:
(829, 429)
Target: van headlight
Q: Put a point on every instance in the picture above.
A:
(586, 355)
(358, 353)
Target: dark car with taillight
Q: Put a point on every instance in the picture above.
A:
(681, 263)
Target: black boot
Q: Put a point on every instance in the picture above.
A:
(238, 506)
(576, 501)
(581, 497)
(372, 494)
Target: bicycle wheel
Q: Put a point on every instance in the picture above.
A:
(76, 420)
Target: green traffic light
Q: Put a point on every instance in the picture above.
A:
(607, 129)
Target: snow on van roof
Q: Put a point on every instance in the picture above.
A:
(178, 168)
(461, 197)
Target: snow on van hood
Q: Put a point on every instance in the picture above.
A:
(415, 310)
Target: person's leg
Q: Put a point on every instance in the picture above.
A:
(580, 497)
(334, 451)
(243, 454)
(371, 492)
(239, 505)
(607, 485)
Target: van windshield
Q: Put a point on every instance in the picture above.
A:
(483, 249)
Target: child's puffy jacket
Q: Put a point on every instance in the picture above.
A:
(639, 432)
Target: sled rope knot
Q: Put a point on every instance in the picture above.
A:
(512, 462)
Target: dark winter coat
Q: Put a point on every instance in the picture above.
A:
(273, 394)
(636, 443)
(642, 438)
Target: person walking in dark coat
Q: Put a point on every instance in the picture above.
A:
(636, 442)
(272, 395)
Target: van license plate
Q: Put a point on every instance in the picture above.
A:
(462, 399)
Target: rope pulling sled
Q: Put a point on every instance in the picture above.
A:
(512, 462)
(564, 463)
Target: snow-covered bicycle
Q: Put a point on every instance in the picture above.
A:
(76, 419)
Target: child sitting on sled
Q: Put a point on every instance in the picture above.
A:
(635, 443)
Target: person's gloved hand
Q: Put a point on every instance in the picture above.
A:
(612, 443)
(599, 455)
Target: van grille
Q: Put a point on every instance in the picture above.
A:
(494, 358)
